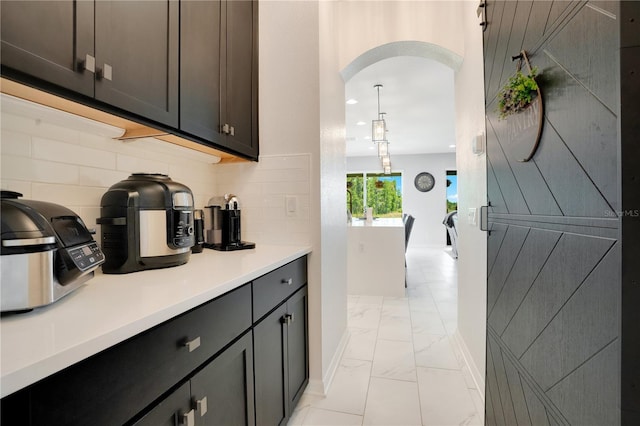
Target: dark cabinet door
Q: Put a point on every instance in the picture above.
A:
(200, 64)
(219, 73)
(269, 343)
(171, 410)
(297, 347)
(240, 100)
(137, 57)
(281, 360)
(222, 393)
(50, 40)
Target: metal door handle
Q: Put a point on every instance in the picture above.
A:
(232, 131)
(201, 406)
(192, 345)
(484, 218)
(225, 129)
(188, 419)
(287, 319)
(88, 64)
(104, 73)
(287, 281)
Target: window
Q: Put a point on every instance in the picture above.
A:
(452, 190)
(380, 191)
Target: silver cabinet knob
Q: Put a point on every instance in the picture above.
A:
(104, 73)
(188, 419)
(225, 129)
(192, 345)
(287, 319)
(232, 131)
(287, 281)
(201, 406)
(87, 64)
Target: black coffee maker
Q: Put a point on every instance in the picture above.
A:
(223, 226)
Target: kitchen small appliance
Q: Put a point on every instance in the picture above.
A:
(222, 225)
(147, 223)
(46, 253)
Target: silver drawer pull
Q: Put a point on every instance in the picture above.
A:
(192, 345)
(201, 406)
(287, 281)
(287, 319)
(188, 419)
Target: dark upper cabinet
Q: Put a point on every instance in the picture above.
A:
(219, 73)
(122, 53)
(50, 40)
(281, 360)
(137, 57)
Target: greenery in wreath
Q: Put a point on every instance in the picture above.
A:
(518, 93)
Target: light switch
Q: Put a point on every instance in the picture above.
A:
(291, 202)
(473, 216)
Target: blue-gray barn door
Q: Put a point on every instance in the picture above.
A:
(554, 288)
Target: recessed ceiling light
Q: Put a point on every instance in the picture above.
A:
(361, 123)
(352, 101)
(452, 146)
(367, 137)
(371, 147)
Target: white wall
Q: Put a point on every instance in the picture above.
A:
(365, 25)
(75, 163)
(472, 193)
(429, 208)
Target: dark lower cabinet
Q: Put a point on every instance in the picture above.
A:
(217, 364)
(220, 394)
(281, 360)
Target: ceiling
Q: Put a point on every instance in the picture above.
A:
(417, 97)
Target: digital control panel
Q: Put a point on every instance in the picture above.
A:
(86, 256)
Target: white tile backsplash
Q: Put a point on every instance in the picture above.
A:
(262, 189)
(67, 165)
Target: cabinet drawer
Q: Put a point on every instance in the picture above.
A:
(113, 386)
(273, 288)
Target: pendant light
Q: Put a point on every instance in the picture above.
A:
(378, 127)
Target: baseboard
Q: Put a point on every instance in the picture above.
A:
(477, 377)
(321, 387)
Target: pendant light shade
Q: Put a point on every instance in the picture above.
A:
(383, 148)
(379, 136)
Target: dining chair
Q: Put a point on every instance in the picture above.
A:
(408, 226)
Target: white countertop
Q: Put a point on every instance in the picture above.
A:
(377, 223)
(111, 308)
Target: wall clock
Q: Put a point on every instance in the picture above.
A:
(424, 182)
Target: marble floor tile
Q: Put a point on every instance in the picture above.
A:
(400, 366)
(392, 402)
(427, 322)
(362, 343)
(370, 300)
(444, 398)
(422, 304)
(395, 327)
(435, 351)
(348, 392)
(320, 417)
(364, 316)
(394, 360)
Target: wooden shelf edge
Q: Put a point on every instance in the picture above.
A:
(132, 130)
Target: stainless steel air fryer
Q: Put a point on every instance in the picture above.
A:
(46, 252)
(147, 223)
